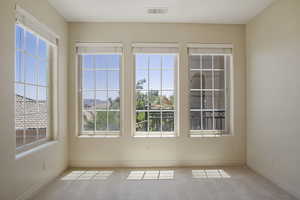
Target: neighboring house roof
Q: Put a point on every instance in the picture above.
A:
(36, 113)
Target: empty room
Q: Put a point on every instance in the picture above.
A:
(150, 100)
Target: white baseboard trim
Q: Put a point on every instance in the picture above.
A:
(156, 163)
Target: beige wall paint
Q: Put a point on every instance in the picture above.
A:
(19, 177)
(180, 151)
(273, 98)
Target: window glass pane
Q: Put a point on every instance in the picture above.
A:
(195, 100)
(154, 100)
(31, 104)
(207, 120)
(167, 100)
(107, 61)
(31, 43)
(101, 121)
(31, 124)
(141, 100)
(206, 80)
(19, 136)
(101, 61)
(195, 80)
(42, 99)
(88, 80)
(220, 120)
(142, 121)
(167, 80)
(42, 125)
(113, 100)
(168, 62)
(43, 54)
(155, 79)
(30, 135)
(206, 62)
(168, 121)
(113, 79)
(141, 61)
(207, 100)
(218, 62)
(88, 61)
(195, 120)
(30, 69)
(155, 61)
(160, 90)
(114, 120)
(42, 74)
(42, 131)
(219, 80)
(88, 100)
(19, 37)
(19, 67)
(101, 80)
(219, 100)
(155, 120)
(101, 100)
(141, 79)
(19, 114)
(194, 62)
(88, 121)
(19, 105)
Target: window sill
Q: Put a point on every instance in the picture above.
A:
(147, 135)
(31, 148)
(98, 136)
(208, 134)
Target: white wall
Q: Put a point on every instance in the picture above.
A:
(273, 97)
(18, 177)
(180, 151)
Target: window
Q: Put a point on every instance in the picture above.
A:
(155, 103)
(99, 90)
(209, 81)
(32, 91)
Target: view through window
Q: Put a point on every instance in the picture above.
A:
(100, 92)
(155, 94)
(208, 82)
(31, 87)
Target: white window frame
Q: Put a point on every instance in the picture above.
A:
(84, 48)
(225, 50)
(32, 25)
(156, 49)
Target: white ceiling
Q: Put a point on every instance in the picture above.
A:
(197, 11)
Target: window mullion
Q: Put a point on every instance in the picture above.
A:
(213, 92)
(160, 94)
(148, 95)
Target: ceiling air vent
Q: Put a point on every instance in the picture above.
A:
(157, 10)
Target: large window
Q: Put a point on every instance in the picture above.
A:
(100, 93)
(32, 57)
(209, 81)
(155, 78)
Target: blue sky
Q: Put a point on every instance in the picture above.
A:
(35, 63)
(112, 81)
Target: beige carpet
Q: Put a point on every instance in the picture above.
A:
(233, 183)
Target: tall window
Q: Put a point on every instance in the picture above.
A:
(155, 94)
(209, 81)
(31, 87)
(100, 93)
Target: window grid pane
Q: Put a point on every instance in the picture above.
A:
(155, 94)
(207, 87)
(100, 94)
(31, 87)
